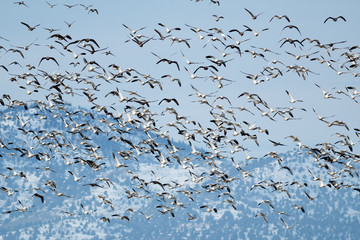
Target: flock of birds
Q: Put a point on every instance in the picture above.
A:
(227, 136)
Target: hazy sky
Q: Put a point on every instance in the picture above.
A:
(107, 29)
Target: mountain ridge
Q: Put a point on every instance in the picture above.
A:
(161, 191)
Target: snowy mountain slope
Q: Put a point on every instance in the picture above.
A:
(145, 188)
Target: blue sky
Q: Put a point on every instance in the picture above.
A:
(107, 29)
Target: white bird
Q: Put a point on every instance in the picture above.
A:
(8, 191)
(28, 92)
(85, 211)
(76, 55)
(248, 157)
(168, 30)
(66, 161)
(286, 225)
(208, 209)
(76, 179)
(321, 118)
(191, 217)
(299, 207)
(119, 94)
(146, 216)
(217, 18)
(326, 94)
(118, 164)
(23, 124)
(295, 139)
(193, 150)
(192, 75)
(188, 62)
(156, 176)
(292, 100)
(133, 31)
(314, 177)
(23, 209)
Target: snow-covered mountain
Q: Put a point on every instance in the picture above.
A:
(154, 193)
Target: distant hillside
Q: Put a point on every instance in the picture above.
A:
(171, 189)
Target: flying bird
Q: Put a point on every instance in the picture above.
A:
(47, 59)
(29, 27)
(148, 217)
(280, 17)
(161, 37)
(276, 143)
(39, 196)
(133, 31)
(309, 197)
(253, 15)
(217, 18)
(76, 179)
(21, 3)
(208, 209)
(138, 42)
(169, 100)
(335, 19)
(256, 33)
(122, 217)
(2, 66)
(262, 215)
(169, 62)
(286, 225)
(93, 10)
(291, 27)
(85, 211)
(168, 30)
(292, 100)
(69, 24)
(52, 5)
(70, 6)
